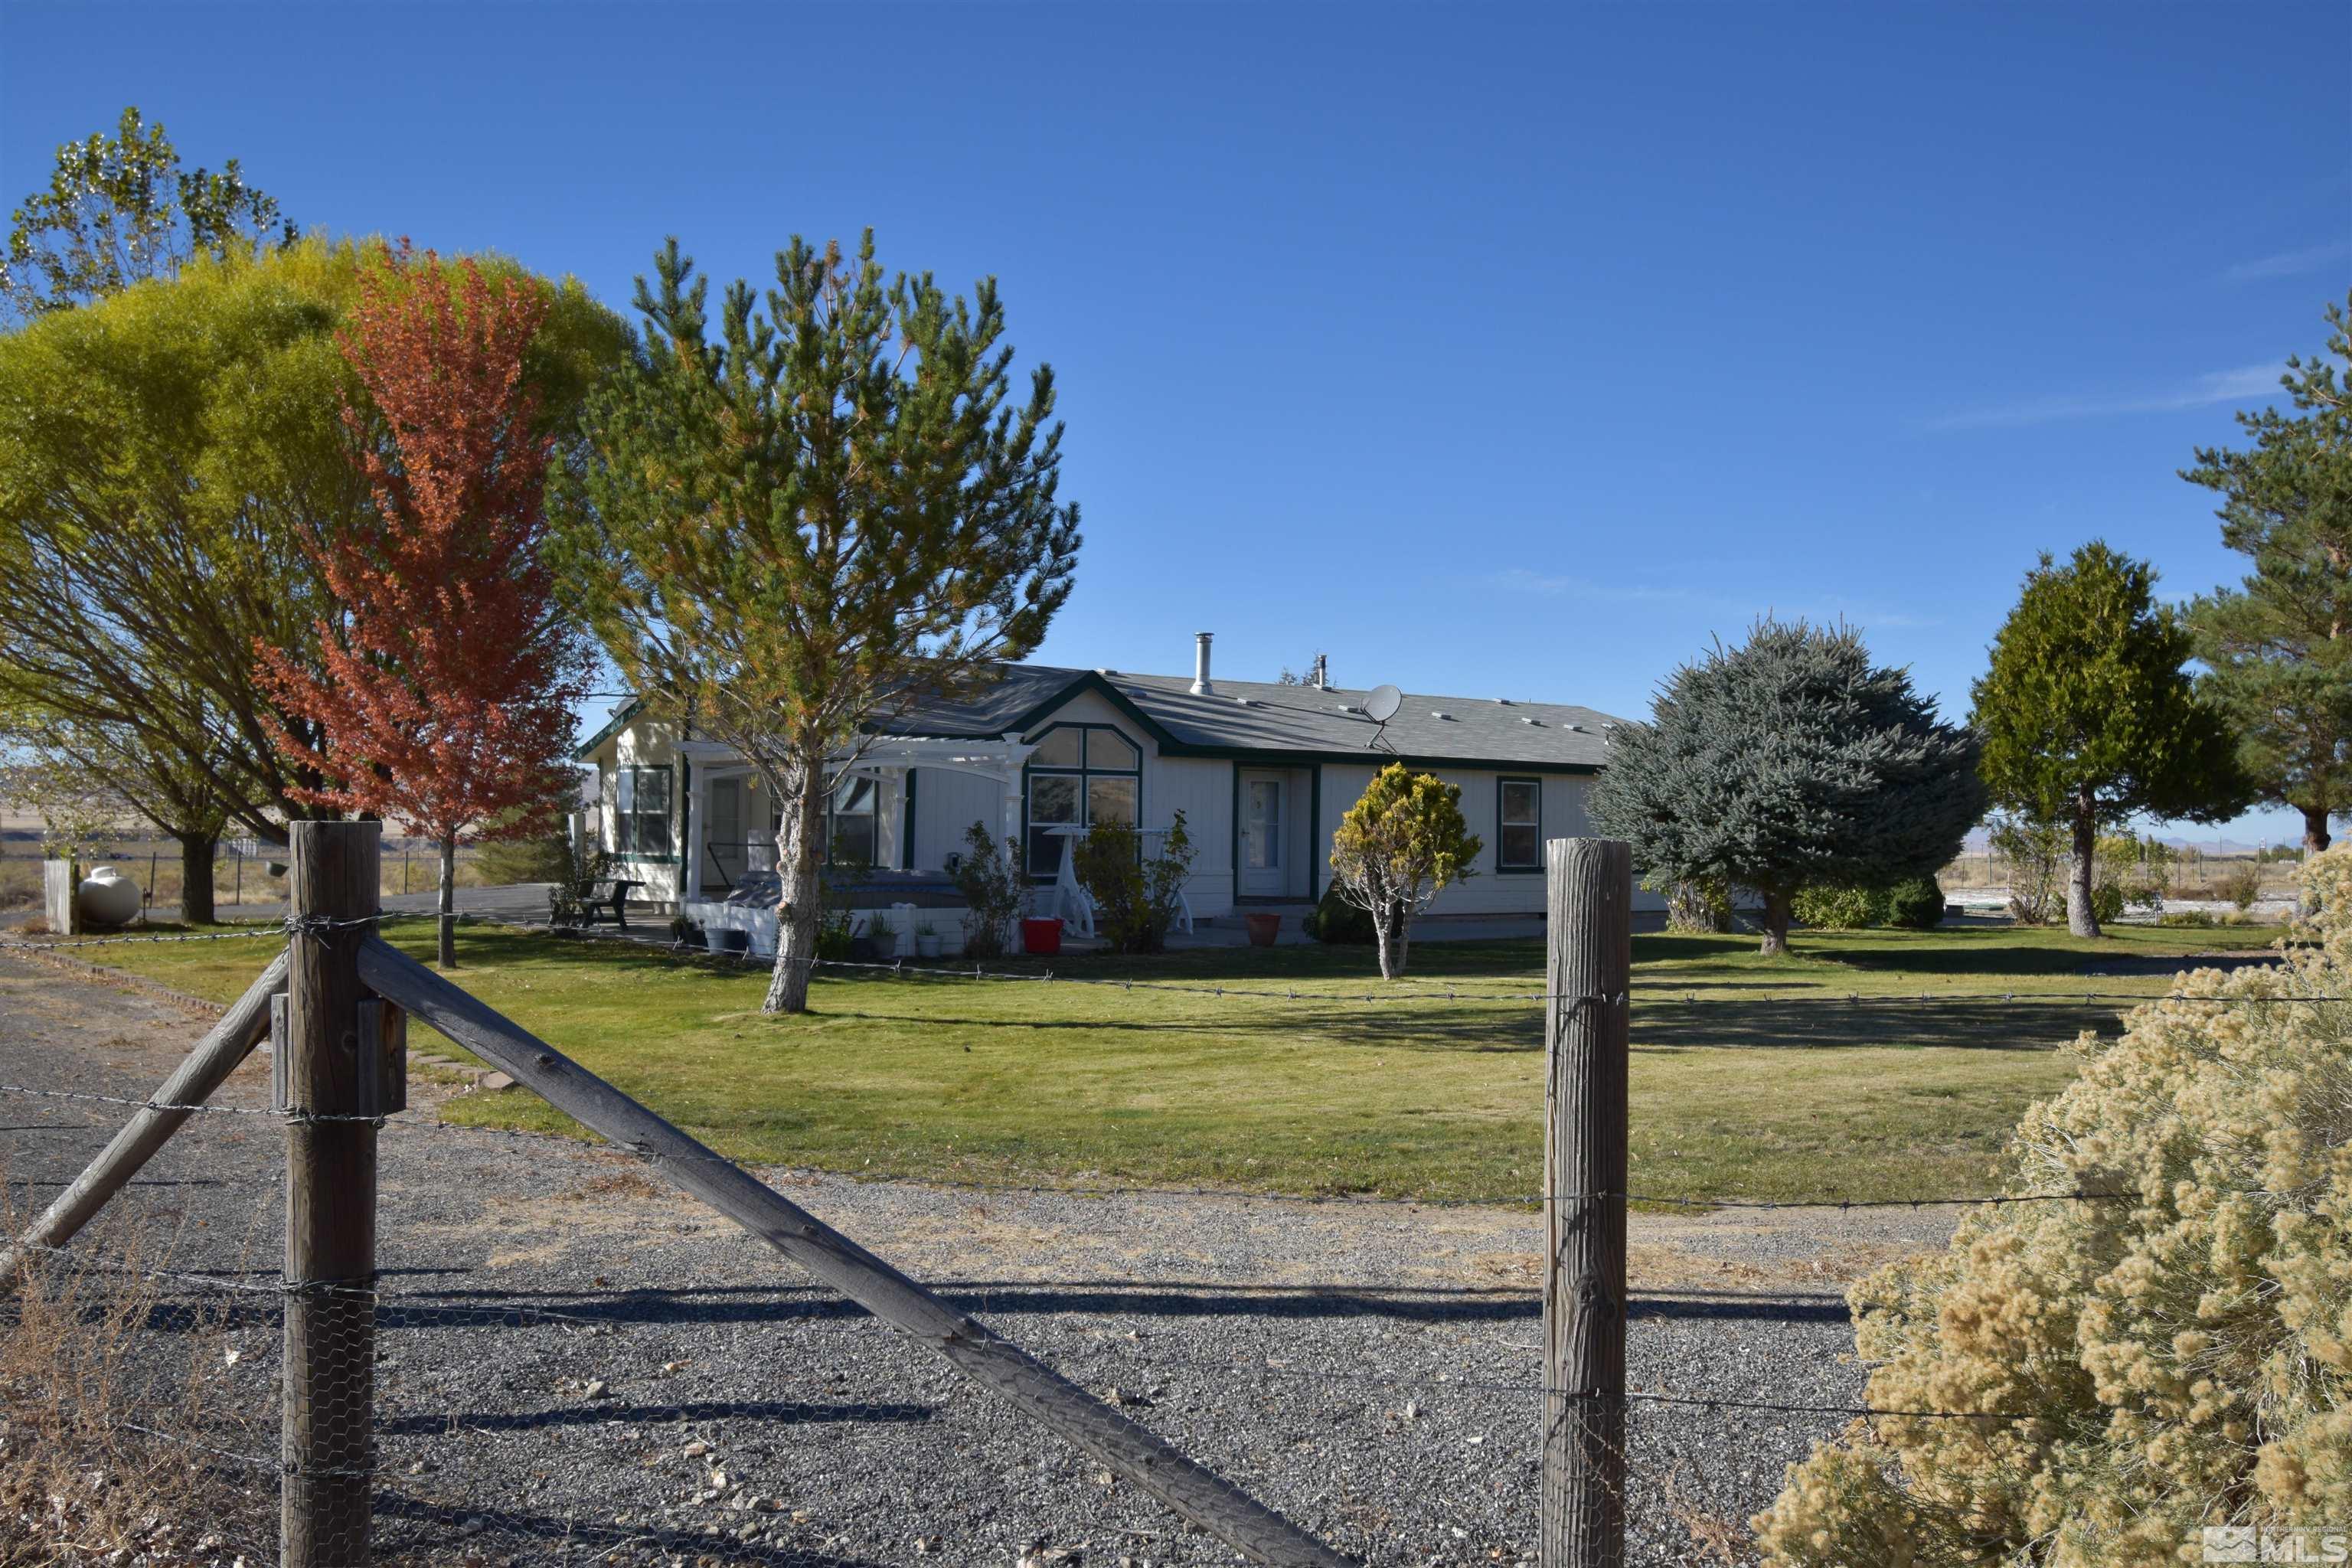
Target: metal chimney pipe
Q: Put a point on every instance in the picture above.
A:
(1200, 685)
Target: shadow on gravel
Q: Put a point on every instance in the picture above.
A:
(605, 1412)
(1168, 1298)
(429, 1528)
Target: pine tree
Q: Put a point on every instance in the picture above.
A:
(2089, 718)
(826, 511)
(445, 698)
(1791, 760)
(2278, 648)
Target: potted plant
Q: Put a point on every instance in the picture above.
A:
(1264, 927)
(886, 942)
(927, 940)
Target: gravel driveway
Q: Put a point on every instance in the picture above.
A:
(578, 1366)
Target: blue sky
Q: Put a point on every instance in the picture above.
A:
(1486, 350)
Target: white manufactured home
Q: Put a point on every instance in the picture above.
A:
(1261, 771)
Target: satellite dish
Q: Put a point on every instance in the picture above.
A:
(1380, 704)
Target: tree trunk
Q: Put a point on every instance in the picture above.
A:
(1777, 907)
(2316, 841)
(449, 903)
(1393, 924)
(798, 865)
(2082, 877)
(196, 851)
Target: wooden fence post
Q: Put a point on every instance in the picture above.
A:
(327, 1429)
(1590, 930)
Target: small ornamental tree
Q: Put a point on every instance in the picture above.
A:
(791, 524)
(1789, 762)
(2175, 1358)
(2089, 717)
(1397, 849)
(445, 698)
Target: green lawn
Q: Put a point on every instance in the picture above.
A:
(1820, 1075)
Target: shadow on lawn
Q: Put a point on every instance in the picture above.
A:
(1724, 1024)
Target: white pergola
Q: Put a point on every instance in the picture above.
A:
(886, 758)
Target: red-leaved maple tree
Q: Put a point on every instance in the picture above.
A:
(445, 690)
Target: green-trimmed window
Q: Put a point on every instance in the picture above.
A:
(1078, 775)
(641, 800)
(1519, 825)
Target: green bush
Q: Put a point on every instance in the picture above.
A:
(2184, 1352)
(2241, 886)
(2106, 903)
(2199, 919)
(1136, 896)
(1831, 908)
(990, 879)
(1915, 903)
(1338, 922)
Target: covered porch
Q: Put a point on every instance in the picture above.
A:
(899, 812)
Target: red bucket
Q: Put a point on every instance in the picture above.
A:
(1042, 937)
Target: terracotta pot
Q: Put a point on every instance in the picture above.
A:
(1263, 928)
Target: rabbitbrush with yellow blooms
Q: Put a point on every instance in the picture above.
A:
(2181, 1357)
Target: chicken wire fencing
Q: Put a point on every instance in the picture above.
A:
(557, 1363)
(530, 1411)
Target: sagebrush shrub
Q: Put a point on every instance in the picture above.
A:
(2185, 1355)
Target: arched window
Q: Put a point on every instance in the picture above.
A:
(1079, 774)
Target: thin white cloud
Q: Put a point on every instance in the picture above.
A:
(1519, 580)
(2288, 263)
(2245, 384)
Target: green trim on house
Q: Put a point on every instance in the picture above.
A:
(685, 816)
(1318, 850)
(623, 717)
(907, 832)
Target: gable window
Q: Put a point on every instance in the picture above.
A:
(641, 811)
(1080, 775)
(1519, 821)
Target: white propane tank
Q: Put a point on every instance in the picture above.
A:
(108, 897)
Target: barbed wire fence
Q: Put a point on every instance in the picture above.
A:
(451, 1446)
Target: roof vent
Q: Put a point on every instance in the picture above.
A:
(1245, 701)
(1537, 722)
(1578, 728)
(1447, 717)
(1202, 685)
(1503, 701)
(1349, 707)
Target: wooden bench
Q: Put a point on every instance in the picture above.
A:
(610, 894)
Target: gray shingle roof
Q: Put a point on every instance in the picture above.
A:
(1260, 716)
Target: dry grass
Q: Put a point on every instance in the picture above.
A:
(117, 1387)
(156, 868)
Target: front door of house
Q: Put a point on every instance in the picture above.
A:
(1261, 868)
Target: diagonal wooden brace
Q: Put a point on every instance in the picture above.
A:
(218, 1053)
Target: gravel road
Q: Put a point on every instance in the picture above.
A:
(577, 1366)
